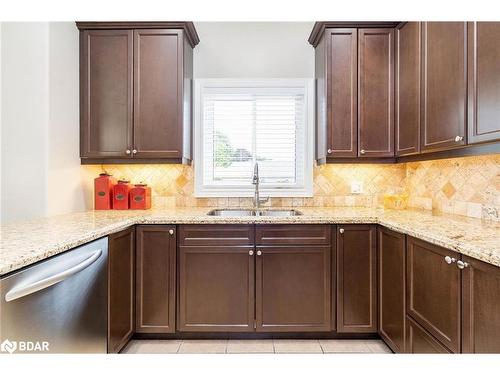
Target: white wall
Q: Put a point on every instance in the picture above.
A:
(24, 120)
(69, 186)
(41, 173)
(254, 50)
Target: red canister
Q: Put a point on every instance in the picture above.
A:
(140, 197)
(120, 195)
(103, 191)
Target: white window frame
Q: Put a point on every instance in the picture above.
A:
(305, 190)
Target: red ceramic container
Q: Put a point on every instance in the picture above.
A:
(103, 191)
(121, 195)
(140, 197)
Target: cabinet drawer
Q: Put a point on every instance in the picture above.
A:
(293, 234)
(216, 235)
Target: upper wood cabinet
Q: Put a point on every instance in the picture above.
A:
(135, 83)
(155, 278)
(120, 289)
(407, 91)
(484, 81)
(444, 85)
(376, 93)
(433, 296)
(357, 278)
(354, 72)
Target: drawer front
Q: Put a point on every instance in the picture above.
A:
(293, 234)
(216, 235)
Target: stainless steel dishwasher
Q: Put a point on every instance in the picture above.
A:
(58, 305)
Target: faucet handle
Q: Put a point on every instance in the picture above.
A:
(264, 200)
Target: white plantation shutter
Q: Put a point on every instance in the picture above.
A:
(240, 124)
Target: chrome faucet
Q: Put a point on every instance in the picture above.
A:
(256, 197)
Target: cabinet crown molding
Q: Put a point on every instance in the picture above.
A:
(319, 27)
(188, 27)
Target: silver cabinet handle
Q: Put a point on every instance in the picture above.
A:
(462, 265)
(329, 150)
(458, 138)
(362, 152)
(449, 259)
(134, 151)
(250, 252)
(171, 232)
(22, 291)
(259, 253)
(127, 152)
(341, 230)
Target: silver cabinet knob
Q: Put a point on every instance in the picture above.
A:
(250, 252)
(362, 152)
(462, 265)
(329, 150)
(449, 259)
(171, 232)
(259, 253)
(134, 151)
(341, 230)
(127, 152)
(458, 138)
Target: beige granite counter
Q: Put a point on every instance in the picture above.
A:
(25, 243)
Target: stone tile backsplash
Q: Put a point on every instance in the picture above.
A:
(468, 186)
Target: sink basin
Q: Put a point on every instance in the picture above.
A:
(236, 212)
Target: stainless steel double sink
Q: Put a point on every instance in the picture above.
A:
(239, 212)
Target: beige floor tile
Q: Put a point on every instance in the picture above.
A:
(297, 346)
(250, 346)
(378, 346)
(152, 347)
(345, 346)
(203, 347)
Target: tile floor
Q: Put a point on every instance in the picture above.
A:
(254, 346)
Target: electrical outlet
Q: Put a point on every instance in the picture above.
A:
(356, 187)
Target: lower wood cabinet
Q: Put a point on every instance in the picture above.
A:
(391, 288)
(419, 341)
(357, 278)
(293, 284)
(433, 297)
(216, 281)
(120, 289)
(155, 278)
(480, 307)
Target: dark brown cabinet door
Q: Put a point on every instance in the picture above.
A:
(158, 80)
(293, 288)
(481, 307)
(216, 280)
(484, 81)
(419, 341)
(356, 278)
(106, 69)
(120, 289)
(391, 288)
(407, 92)
(376, 93)
(433, 294)
(342, 77)
(155, 279)
(444, 85)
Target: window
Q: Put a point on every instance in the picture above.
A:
(239, 123)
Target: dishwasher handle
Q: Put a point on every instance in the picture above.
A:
(22, 291)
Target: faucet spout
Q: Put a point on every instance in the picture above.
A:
(255, 181)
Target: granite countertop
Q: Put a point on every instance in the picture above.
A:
(25, 243)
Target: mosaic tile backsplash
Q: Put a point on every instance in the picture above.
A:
(465, 186)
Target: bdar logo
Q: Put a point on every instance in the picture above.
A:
(8, 346)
